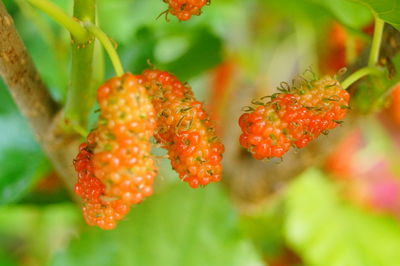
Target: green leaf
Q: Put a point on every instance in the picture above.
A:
(21, 160)
(351, 14)
(199, 51)
(265, 228)
(137, 56)
(20, 169)
(28, 231)
(387, 10)
(327, 231)
(204, 52)
(179, 226)
(6, 259)
(371, 94)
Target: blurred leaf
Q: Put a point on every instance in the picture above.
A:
(35, 233)
(121, 19)
(21, 159)
(201, 50)
(371, 92)
(116, 19)
(351, 14)
(142, 37)
(327, 231)
(170, 48)
(204, 52)
(179, 226)
(11, 7)
(388, 10)
(137, 55)
(6, 259)
(265, 228)
(19, 170)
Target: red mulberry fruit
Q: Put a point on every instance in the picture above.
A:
(185, 9)
(294, 117)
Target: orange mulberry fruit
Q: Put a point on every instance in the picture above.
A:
(115, 167)
(184, 129)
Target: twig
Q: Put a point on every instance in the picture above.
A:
(376, 42)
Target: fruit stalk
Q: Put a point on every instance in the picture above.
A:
(365, 71)
(373, 56)
(105, 41)
(376, 42)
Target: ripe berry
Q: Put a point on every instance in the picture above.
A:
(185, 9)
(115, 169)
(184, 129)
(293, 118)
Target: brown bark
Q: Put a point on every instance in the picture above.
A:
(33, 100)
(22, 79)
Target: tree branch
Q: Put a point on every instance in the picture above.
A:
(22, 79)
(34, 101)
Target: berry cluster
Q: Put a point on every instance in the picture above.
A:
(115, 169)
(185, 9)
(184, 129)
(293, 117)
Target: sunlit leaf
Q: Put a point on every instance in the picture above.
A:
(327, 231)
(388, 10)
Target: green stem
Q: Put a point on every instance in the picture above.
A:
(81, 93)
(98, 65)
(358, 75)
(107, 44)
(77, 31)
(376, 42)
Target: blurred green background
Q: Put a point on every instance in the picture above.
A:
(344, 211)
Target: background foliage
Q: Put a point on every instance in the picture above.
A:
(312, 221)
